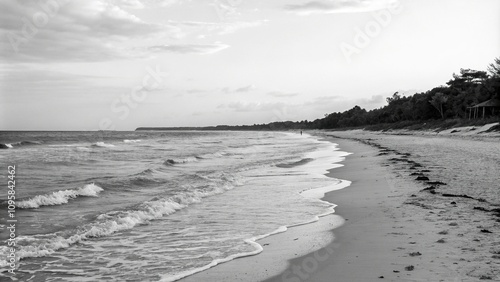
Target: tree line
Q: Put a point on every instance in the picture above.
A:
(450, 101)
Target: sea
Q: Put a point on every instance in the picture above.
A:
(153, 205)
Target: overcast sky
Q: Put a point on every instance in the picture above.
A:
(120, 64)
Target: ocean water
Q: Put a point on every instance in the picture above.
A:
(155, 206)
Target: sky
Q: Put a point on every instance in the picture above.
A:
(122, 64)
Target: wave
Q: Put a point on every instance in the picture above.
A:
(105, 225)
(103, 145)
(195, 158)
(132, 140)
(19, 144)
(114, 221)
(319, 193)
(213, 155)
(148, 171)
(181, 161)
(144, 180)
(215, 262)
(253, 241)
(149, 175)
(26, 143)
(60, 197)
(340, 184)
(294, 164)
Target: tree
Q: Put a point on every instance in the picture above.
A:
(437, 101)
(494, 68)
(467, 79)
(395, 97)
(493, 83)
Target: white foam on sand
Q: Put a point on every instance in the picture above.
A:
(251, 241)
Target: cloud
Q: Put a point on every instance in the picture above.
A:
(140, 4)
(226, 9)
(195, 91)
(373, 100)
(324, 103)
(129, 4)
(235, 26)
(245, 88)
(242, 89)
(272, 111)
(77, 30)
(219, 28)
(27, 79)
(202, 49)
(325, 99)
(281, 94)
(244, 106)
(165, 3)
(98, 30)
(339, 6)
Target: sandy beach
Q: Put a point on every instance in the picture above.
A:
(443, 202)
(420, 208)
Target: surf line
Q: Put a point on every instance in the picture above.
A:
(253, 241)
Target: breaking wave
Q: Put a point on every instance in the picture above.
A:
(19, 144)
(194, 158)
(103, 145)
(60, 197)
(114, 221)
(132, 141)
(181, 161)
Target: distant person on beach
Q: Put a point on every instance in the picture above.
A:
(301, 132)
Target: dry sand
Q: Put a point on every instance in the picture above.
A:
(394, 230)
(459, 219)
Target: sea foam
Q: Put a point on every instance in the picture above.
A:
(20, 143)
(108, 223)
(60, 197)
(132, 141)
(5, 146)
(103, 145)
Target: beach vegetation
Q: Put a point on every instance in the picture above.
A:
(441, 107)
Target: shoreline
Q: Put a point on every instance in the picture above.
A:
(306, 237)
(300, 254)
(437, 218)
(363, 249)
(396, 228)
